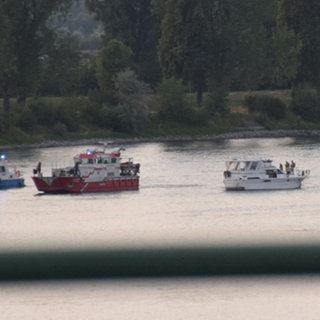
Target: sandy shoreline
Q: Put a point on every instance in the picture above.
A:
(246, 134)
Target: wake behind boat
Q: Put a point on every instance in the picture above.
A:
(9, 178)
(262, 175)
(93, 171)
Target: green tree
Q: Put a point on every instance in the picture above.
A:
(7, 61)
(112, 59)
(171, 101)
(132, 23)
(303, 17)
(306, 103)
(60, 69)
(133, 95)
(29, 36)
(251, 41)
(194, 42)
(287, 51)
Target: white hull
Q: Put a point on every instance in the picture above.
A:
(264, 184)
(262, 175)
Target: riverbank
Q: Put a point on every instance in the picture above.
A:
(245, 134)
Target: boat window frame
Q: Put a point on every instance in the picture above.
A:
(232, 165)
(243, 165)
(254, 165)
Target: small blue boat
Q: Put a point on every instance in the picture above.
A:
(9, 178)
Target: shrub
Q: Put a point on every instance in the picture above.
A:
(2, 123)
(60, 129)
(26, 120)
(118, 118)
(217, 103)
(66, 117)
(123, 119)
(270, 106)
(306, 104)
(44, 114)
(171, 103)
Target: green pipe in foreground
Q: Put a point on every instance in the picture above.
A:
(159, 262)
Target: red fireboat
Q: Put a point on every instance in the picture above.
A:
(93, 171)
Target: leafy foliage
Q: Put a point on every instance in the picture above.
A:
(251, 44)
(130, 112)
(216, 103)
(172, 103)
(205, 47)
(306, 103)
(133, 23)
(269, 106)
(194, 42)
(80, 25)
(59, 71)
(303, 18)
(29, 37)
(113, 58)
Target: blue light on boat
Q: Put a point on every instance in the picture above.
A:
(3, 157)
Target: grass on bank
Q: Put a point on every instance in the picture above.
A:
(69, 119)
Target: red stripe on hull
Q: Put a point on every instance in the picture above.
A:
(76, 185)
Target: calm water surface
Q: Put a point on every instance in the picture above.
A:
(181, 201)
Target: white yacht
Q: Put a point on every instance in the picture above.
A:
(262, 175)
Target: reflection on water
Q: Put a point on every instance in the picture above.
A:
(219, 299)
(181, 201)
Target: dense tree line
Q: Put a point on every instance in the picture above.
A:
(211, 46)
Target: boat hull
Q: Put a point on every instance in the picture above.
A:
(263, 184)
(78, 185)
(11, 183)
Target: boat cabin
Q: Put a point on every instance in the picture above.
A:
(9, 178)
(4, 170)
(94, 156)
(250, 165)
(252, 168)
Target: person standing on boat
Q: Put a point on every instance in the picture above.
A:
(293, 165)
(281, 167)
(287, 165)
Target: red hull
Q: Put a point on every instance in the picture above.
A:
(77, 185)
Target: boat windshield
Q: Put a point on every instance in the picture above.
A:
(254, 165)
(232, 165)
(243, 165)
(238, 165)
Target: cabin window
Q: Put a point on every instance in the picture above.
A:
(3, 169)
(113, 160)
(254, 165)
(232, 165)
(242, 165)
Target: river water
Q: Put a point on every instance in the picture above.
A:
(181, 201)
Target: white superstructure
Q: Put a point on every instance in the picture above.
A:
(262, 175)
